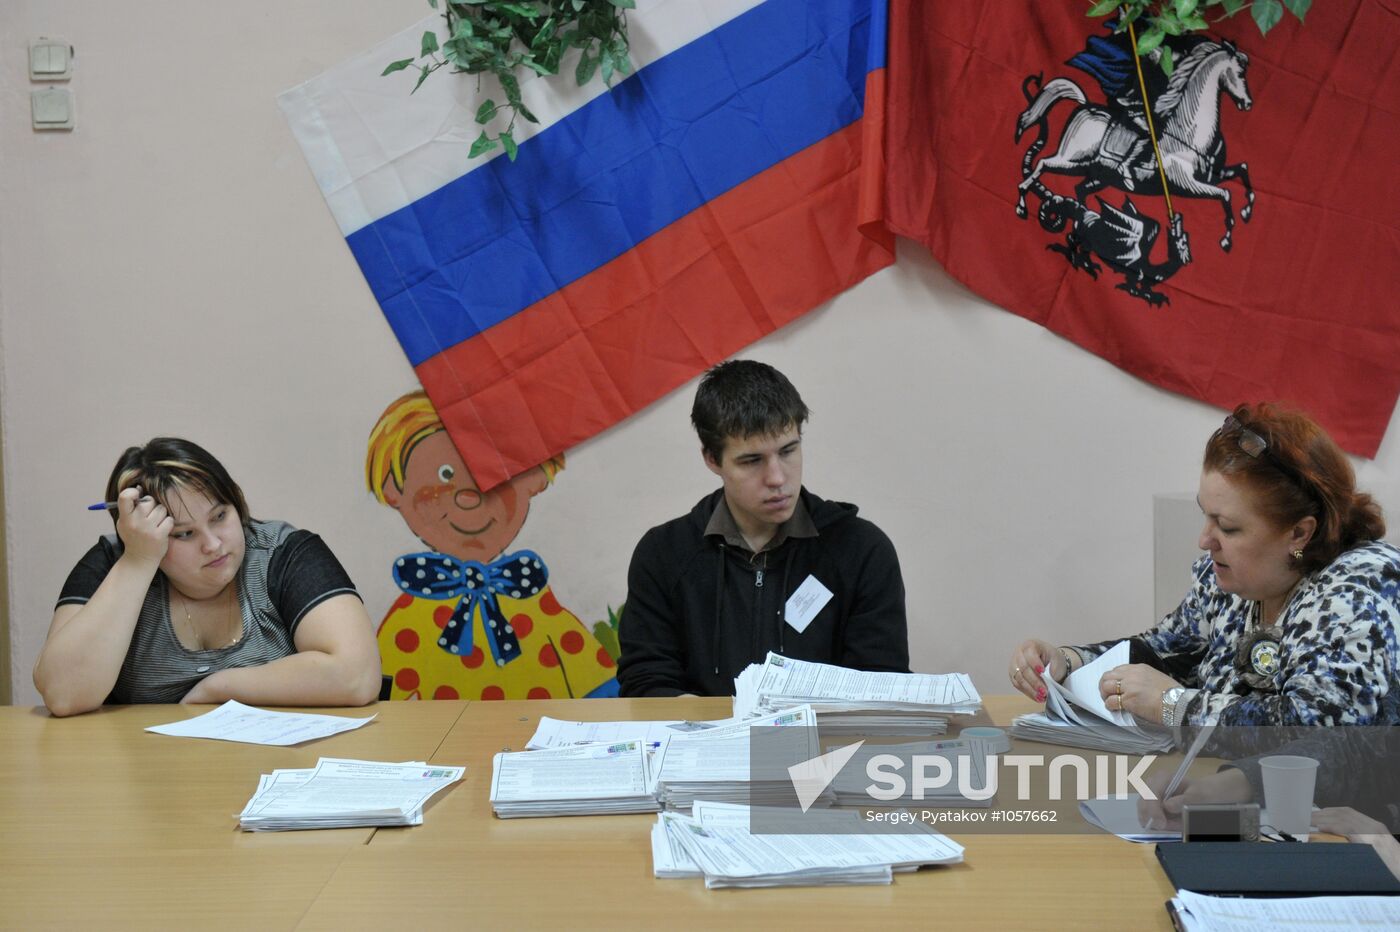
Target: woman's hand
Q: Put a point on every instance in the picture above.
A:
(1136, 688)
(1344, 820)
(143, 525)
(1226, 786)
(1028, 660)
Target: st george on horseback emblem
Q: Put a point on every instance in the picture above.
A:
(1108, 146)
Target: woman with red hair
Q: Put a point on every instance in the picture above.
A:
(1293, 612)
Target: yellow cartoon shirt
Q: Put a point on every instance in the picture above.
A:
(467, 630)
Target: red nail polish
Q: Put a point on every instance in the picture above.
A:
(1040, 669)
(1040, 694)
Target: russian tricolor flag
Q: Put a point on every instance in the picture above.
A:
(644, 233)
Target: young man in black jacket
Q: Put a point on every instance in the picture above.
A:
(760, 564)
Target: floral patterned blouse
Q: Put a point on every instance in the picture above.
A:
(1337, 655)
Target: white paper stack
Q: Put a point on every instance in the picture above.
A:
(1076, 715)
(963, 778)
(553, 733)
(586, 779)
(340, 793)
(715, 764)
(717, 843)
(853, 701)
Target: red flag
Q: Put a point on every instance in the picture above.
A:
(1286, 293)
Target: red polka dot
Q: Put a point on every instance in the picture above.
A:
(549, 604)
(572, 642)
(442, 615)
(548, 658)
(406, 640)
(604, 658)
(406, 679)
(403, 601)
(493, 693)
(522, 625)
(539, 692)
(445, 692)
(473, 660)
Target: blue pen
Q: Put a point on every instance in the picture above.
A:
(102, 506)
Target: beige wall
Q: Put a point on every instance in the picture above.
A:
(169, 267)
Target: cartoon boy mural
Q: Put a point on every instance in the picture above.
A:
(470, 622)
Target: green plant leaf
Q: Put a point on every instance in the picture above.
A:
(1298, 8)
(624, 4)
(508, 141)
(587, 64)
(520, 9)
(526, 113)
(578, 5)
(483, 144)
(486, 111)
(423, 73)
(1103, 7)
(432, 3)
(1150, 39)
(1267, 14)
(1168, 65)
(1233, 6)
(1185, 8)
(512, 88)
(430, 43)
(399, 65)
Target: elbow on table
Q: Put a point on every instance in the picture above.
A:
(364, 686)
(62, 703)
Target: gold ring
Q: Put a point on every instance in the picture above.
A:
(1120, 692)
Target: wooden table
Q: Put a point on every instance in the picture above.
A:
(107, 825)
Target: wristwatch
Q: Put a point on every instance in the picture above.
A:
(1170, 698)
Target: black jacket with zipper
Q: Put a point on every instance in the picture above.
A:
(698, 610)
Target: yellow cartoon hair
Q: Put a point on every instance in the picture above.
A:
(403, 424)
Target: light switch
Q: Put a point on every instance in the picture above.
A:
(52, 108)
(50, 60)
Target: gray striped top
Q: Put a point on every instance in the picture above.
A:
(285, 574)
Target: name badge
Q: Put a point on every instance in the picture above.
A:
(803, 605)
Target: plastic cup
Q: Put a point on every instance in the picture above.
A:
(1289, 782)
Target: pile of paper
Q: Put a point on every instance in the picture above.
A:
(586, 779)
(1076, 715)
(339, 793)
(962, 779)
(716, 842)
(715, 764)
(553, 733)
(853, 701)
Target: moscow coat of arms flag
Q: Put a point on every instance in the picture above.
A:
(1017, 148)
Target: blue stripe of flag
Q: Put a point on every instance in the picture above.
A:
(683, 130)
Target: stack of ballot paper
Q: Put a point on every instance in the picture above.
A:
(1076, 715)
(714, 764)
(585, 779)
(716, 843)
(553, 733)
(962, 781)
(855, 701)
(345, 794)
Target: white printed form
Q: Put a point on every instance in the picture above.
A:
(804, 604)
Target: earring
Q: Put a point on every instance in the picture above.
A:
(1297, 554)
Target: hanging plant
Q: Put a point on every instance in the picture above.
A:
(1179, 17)
(501, 37)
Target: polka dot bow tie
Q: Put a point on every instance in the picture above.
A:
(519, 575)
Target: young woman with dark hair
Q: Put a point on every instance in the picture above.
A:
(193, 600)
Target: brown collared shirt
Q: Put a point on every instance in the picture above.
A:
(722, 523)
